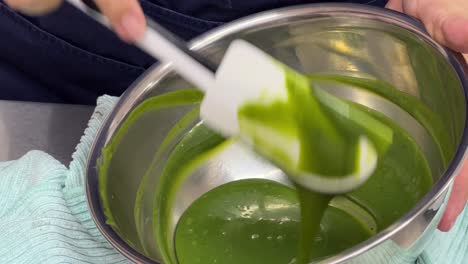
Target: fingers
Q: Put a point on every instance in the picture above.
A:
(457, 200)
(455, 33)
(125, 16)
(34, 7)
(396, 5)
(446, 21)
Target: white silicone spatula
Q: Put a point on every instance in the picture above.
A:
(246, 75)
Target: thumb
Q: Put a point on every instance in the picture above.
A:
(446, 21)
(455, 33)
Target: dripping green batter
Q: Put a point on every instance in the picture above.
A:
(213, 228)
(326, 140)
(400, 180)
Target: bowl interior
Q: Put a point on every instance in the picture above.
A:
(348, 43)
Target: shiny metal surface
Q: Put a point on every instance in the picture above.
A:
(314, 38)
(53, 128)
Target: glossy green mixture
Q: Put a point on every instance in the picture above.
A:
(259, 221)
(326, 134)
(326, 141)
(237, 222)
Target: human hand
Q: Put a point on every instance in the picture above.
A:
(447, 22)
(125, 16)
(458, 197)
(457, 200)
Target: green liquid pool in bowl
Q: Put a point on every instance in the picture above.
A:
(261, 221)
(258, 221)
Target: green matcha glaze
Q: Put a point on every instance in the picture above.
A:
(313, 206)
(327, 139)
(325, 146)
(400, 180)
(168, 100)
(257, 221)
(428, 119)
(196, 147)
(149, 180)
(260, 221)
(401, 166)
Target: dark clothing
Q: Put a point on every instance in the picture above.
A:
(67, 57)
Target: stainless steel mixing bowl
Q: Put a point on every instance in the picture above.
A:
(343, 38)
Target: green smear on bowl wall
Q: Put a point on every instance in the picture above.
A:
(261, 221)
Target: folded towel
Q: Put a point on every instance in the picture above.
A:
(451, 247)
(44, 217)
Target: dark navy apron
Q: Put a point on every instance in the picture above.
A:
(68, 58)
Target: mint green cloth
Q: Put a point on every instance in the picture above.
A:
(44, 217)
(451, 247)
